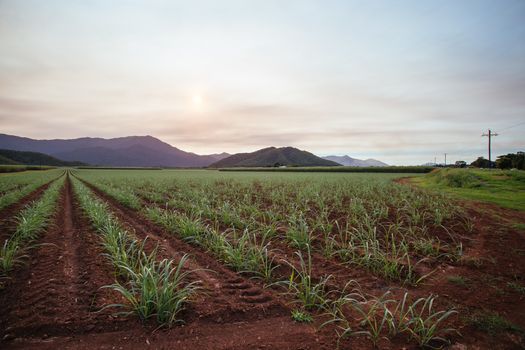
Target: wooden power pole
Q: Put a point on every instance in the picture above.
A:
(489, 135)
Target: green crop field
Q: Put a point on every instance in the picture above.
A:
(14, 186)
(248, 220)
(19, 168)
(361, 259)
(339, 169)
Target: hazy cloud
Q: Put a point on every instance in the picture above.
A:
(400, 81)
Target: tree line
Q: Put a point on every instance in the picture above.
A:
(506, 161)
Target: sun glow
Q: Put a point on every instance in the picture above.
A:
(196, 100)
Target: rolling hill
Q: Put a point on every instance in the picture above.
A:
(148, 151)
(10, 157)
(140, 151)
(273, 156)
(349, 161)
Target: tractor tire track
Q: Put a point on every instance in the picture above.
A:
(58, 293)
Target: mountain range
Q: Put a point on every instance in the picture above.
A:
(273, 156)
(142, 151)
(349, 161)
(148, 151)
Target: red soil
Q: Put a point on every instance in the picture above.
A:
(52, 302)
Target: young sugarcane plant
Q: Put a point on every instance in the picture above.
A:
(425, 322)
(309, 293)
(10, 256)
(375, 316)
(158, 289)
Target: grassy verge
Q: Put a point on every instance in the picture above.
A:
(494, 324)
(505, 188)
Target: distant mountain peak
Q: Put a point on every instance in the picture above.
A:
(349, 161)
(272, 156)
(219, 156)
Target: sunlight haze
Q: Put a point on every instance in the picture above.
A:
(399, 81)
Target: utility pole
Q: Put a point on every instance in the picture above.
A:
(490, 134)
(445, 160)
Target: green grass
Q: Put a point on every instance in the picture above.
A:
(493, 323)
(505, 188)
(301, 316)
(515, 286)
(458, 280)
(519, 226)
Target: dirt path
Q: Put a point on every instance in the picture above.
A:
(58, 292)
(272, 334)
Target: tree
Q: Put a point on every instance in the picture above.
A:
(482, 163)
(511, 160)
(504, 162)
(519, 162)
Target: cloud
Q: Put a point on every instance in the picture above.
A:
(18, 107)
(406, 82)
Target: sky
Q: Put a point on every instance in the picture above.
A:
(400, 81)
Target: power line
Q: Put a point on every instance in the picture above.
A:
(512, 126)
